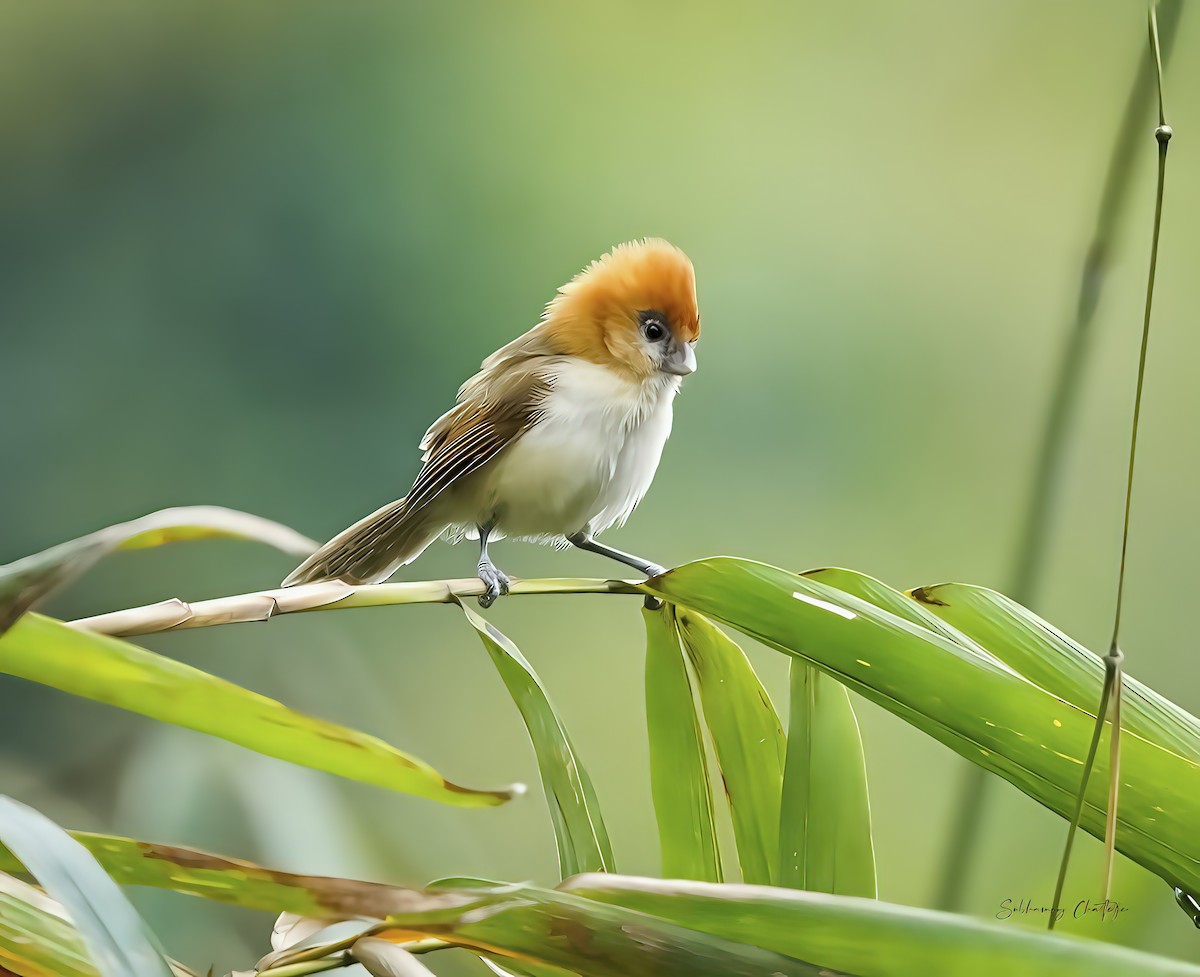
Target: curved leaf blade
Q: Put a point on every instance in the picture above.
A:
(115, 672)
(747, 738)
(679, 781)
(35, 938)
(985, 712)
(594, 939)
(242, 883)
(868, 937)
(579, 830)
(1050, 659)
(30, 579)
(896, 602)
(825, 842)
(117, 940)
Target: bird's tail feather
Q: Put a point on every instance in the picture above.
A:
(372, 549)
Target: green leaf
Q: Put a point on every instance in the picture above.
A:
(747, 738)
(889, 599)
(117, 940)
(1047, 657)
(871, 938)
(825, 840)
(982, 710)
(108, 670)
(683, 802)
(579, 830)
(35, 938)
(559, 929)
(242, 883)
(28, 580)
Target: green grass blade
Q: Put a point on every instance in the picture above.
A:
(825, 842)
(108, 670)
(896, 602)
(28, 580)
(117, 940)
(35, 938)
(585, 936)
(579, 830)
(679, 781)
(985, 712)
(747, 738)
(867, 937)
(242, 883)
(1061, 666)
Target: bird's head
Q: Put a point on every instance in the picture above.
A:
(632, 310)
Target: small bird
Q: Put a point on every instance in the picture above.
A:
(556, 438)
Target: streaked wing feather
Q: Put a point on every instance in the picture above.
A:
(495, 407)
(489, 418)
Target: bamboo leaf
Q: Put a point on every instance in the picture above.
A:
(117, 940)
(825, 842)
(679, 781)
(1048, 658)
(35, 938)
(579, 830)
(242, 883)
(29, 580)
(868, 937)
(559, 929)
(747, 738)
(105, 669)
(896, 602)
(983, 711)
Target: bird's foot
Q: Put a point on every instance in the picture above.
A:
(653, 570)
(496, 582)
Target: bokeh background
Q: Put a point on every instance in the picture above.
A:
(250, 250)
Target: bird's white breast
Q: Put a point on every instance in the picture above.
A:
(589, 460)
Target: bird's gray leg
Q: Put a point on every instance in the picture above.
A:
(585, 542)
(494, 579)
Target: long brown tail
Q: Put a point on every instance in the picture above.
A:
(372, 549)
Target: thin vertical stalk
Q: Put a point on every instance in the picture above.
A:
(1110, 695)
(1036, 523)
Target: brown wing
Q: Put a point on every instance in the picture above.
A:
(492, 412)
(470, 436)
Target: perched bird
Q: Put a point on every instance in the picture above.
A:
(559, 434)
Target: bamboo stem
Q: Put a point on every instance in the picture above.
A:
(263, 605)
(1037, 520)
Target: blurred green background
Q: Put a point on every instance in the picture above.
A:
(250, 251)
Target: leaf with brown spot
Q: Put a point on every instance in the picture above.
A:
(747, 738)
(579, 830)
(30, 579)
(243, 883)
(975, 704)
(118, 673)
(679, 775)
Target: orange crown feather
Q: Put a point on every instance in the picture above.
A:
(608, 294)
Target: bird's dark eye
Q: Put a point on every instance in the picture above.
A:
(653, 327)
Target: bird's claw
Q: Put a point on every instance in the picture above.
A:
(654, 570)
(495, 581)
